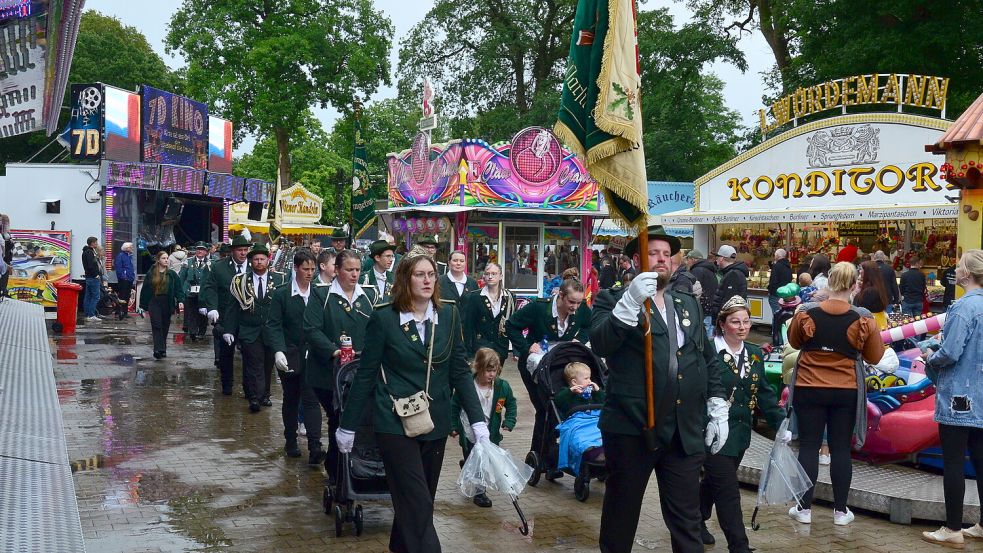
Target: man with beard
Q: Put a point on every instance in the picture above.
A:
(685, 370)
(338, 240)
(216, 297)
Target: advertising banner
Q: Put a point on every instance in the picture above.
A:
(41, 258)
(363, 212)
(175, 129)
(88, 106)
(122, 125)
(425, 175)
(22, 74)
(219, 145)
(299, 205)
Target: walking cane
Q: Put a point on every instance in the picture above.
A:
(649, 431)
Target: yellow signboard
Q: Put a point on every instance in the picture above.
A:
(297, 204)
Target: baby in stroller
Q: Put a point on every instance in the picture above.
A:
(580, 438)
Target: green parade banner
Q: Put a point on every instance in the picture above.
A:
(363, 212)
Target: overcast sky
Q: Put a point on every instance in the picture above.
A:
(742, 92)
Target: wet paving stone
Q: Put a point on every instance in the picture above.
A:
(163, 461)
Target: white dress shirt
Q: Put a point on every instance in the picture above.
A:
(337, 289)
(495, 305)
(296, 291)
(265, 280)
(679, 328)
(459, 283)
(380, 282)
(721, 345)
(561, 325)
(421, 326)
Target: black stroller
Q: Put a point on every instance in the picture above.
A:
(549, 380)
(360, 474)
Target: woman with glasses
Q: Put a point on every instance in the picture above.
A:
(746, 389)
(415, 347)
(485, 313)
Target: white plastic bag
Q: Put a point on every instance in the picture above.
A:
(782, 478)
(491, 467)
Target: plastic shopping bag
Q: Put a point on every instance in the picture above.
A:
(782, 479)
(491, 467)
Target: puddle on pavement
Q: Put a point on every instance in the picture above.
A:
(108, 339)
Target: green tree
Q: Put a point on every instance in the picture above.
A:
(109, 52)
(496, 66)
(688, 129)
(264, 64)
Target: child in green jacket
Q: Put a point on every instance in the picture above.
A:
(495, 396)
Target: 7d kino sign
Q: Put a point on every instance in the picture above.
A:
(846, 162)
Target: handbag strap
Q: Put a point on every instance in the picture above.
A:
(426, 391)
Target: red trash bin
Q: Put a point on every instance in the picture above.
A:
(68, 305)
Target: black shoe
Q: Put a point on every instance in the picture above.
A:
(482, 500)
(158, 355)
(226, 391)
(317, 455)
(705, 535)
(254, 408)
(556, 474)
(266, 402)
(163, 354)
(461, 462)
(290, 448)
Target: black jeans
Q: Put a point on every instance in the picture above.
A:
(160, 321)
(297, 392)
(412, 472)
(835, 411)
(257, 370)
(630, 464)
(539, 424)
(955, 441)
(123, 289)
(721, 488)
(326, 398)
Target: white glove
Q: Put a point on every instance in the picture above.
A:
(784, 437)
(643, 286)
(203, 311)
(481, 433)
(717, 429)
(213, 316)
(345, 440)
(228, 338)
(280, 362)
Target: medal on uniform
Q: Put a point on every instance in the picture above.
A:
(686, 322)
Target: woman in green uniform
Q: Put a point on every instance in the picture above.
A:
(341, 308)
(415, 351)
(485, 313)
(743, 379)
(161, 295)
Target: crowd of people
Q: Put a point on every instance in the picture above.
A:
(427, 333)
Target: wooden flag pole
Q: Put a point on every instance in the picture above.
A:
(643, 258)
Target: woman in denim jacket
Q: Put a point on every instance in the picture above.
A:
(959, 398)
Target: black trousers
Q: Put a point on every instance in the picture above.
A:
(326, 398)
(195, 322)
(225, 354)
(835, 411)
(3, 284)
(955, 441)
(160, 321)
(412, 471)
(123, 289)
(539, 426)
(630, 464)
(257, 370)
(720, 486)
(296, 395)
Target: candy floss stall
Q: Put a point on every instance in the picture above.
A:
(527, 204)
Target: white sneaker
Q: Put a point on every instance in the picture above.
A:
(824, 459)
(93, 319)
(946, 537)
(301, 429)
(975, 532)
(804, 516)
(842, 519)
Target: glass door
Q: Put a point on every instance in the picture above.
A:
(522, 261)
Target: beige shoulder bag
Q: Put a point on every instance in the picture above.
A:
(414, 411)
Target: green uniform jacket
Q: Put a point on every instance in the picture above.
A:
(698, 377)
(194, 276)
(749, 393)
(448, 290)
(368, 280)
(537, 316)
(502, 400)
(403, 354)
(284, 330)
(481, 328)
(565, 400)
(175, 293)
(248, 326)
(215, 293)
(328, 316)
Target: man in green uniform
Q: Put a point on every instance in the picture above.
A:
(216, 298)
(338, 240)
(430, 245)
(562, 318)
(285, 336)
(192, 277)
(380, 276)
(686, 372)
(244, 320)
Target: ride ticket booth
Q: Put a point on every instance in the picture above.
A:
(527, 204)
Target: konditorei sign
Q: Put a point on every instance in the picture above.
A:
(853, 167)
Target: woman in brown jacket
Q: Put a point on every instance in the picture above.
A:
(828, 385)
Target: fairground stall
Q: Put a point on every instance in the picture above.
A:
(300, 211)
(527, 204)
(861, 181)
(663, 197)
